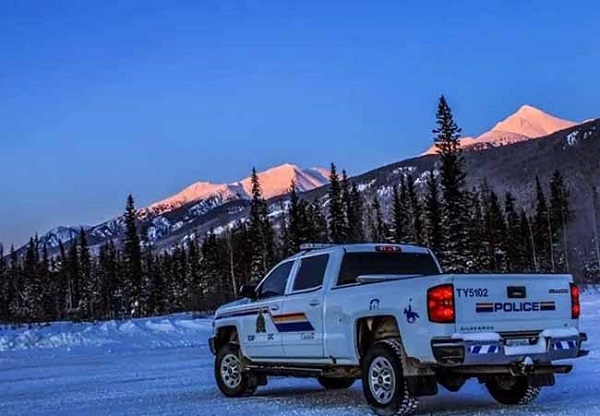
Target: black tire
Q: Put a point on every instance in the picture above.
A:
(510, 390)
(335, 383)
(231, 380)
(382, 373)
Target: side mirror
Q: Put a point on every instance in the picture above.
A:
(248, 291)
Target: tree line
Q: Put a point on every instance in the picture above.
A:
(470, 229)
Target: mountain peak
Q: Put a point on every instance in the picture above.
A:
(274, 181)
(526, 123)
(530, 122)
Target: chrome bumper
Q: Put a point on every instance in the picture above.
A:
(502, 349)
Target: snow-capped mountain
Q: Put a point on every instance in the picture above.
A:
(274, 182)
(526, 124)
(195, 207)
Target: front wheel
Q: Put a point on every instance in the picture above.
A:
(383, 380)
(335, 383)
(511, 390)
(231, 380)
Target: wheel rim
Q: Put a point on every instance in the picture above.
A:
(231, 373)
(382, 380)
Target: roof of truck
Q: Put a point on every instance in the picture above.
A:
(362, 247)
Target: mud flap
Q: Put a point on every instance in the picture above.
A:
(422, 385)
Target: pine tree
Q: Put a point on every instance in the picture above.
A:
(32, 310)
(478, 245)
(354, 213)
(495, 232)
(433, 215)
(336, 218)
(73, 276)
(132, 259)
(415, 212)
(454, 255)
(528, 235)
(400, 214)
(16, 281)
(515, 241)
(541, 230)
(296, 227)
(194, 294)
(214, 283)
(379, 231)
(88, 303)
(317, 223)
(5, 290)
(261, 232)
(560, 216)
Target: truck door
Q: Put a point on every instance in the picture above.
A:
(260, 336)
(301, 321)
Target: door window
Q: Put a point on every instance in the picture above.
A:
(274, 284)
(311, 273)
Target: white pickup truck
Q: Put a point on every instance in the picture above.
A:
(387, 314)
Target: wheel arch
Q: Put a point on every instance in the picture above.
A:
(226, 334)
(369, 329)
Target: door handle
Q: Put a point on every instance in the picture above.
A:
(314, 303)
(274, 308)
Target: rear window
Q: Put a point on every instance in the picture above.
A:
(357, 264)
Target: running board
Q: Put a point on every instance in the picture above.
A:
(284, 371)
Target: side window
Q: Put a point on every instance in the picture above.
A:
(311, 272)
(274, 284)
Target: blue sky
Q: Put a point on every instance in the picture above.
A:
(102, 98)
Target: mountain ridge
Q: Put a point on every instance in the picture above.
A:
(205, 206)
(274, 181)
(526, 123)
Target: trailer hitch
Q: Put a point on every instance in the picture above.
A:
(523, 368)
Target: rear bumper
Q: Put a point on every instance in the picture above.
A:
(505, 349)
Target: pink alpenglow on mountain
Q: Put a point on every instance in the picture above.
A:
(274, 182)
(526, 124)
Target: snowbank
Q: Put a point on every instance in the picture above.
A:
(179, 330)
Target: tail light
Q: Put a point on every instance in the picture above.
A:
(575, 307)
(440, 304)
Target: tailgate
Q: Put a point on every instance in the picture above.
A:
(512, 302)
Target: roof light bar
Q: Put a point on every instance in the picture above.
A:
(314, 246)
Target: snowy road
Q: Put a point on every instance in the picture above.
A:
(177, 380)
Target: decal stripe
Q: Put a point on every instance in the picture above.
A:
(289, 322)
(294, 326)
(289, 317)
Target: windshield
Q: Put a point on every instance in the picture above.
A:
(358, 264)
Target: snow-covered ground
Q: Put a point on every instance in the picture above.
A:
(162, 366)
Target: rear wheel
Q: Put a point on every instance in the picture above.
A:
(383, 380)
(335, 383)
(229, 374)
(511, 390)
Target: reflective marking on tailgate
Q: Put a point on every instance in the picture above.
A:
(486, 307)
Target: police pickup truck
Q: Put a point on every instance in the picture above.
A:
(386, 314)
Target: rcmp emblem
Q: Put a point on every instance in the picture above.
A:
(260, 323)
